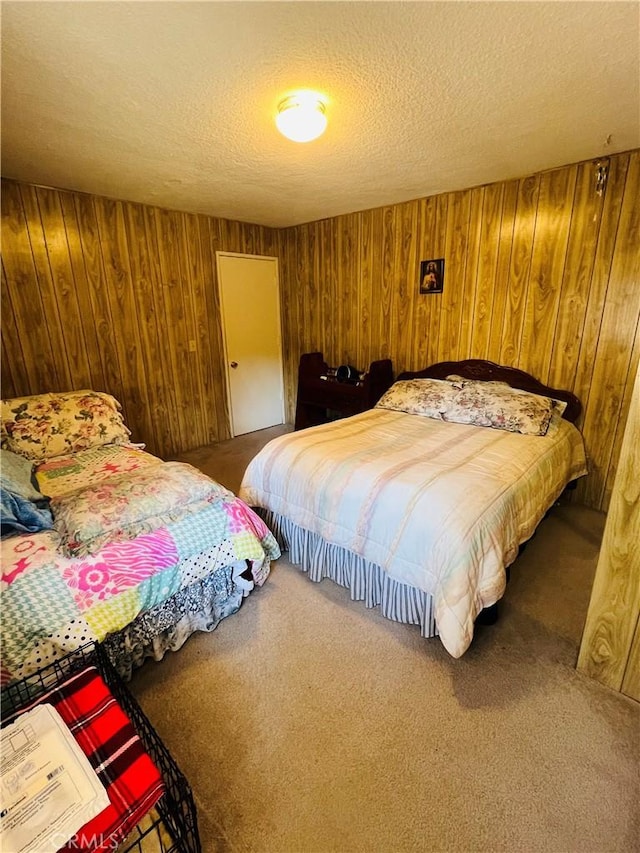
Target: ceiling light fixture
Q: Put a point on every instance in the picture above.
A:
(301, 117)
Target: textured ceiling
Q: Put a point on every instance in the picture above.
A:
(172, 103)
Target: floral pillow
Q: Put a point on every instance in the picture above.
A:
(461, 381)
(502, 407)
(489, 404)
(49, 425)
(430, 398)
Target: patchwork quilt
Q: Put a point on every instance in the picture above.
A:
(53, 603)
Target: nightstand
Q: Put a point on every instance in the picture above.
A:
(320, 393)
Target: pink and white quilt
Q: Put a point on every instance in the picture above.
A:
(53, 602)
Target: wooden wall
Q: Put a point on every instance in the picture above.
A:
(610, 650)
(108, 295)
(540, 273)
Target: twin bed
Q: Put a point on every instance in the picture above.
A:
(416, 506)
(132, 551)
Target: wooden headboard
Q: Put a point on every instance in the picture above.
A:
(485, 371)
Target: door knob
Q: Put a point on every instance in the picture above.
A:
(234, 364)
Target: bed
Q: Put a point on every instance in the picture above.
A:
(107, 543)
(420, 504)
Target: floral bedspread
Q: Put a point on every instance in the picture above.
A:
(52, 604)
(130, 504)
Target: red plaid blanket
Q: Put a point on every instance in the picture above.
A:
(107, 737)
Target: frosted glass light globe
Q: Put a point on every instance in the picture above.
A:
(301, 117)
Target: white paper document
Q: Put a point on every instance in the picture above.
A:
(48, 789)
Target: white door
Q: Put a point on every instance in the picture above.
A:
(250, 303)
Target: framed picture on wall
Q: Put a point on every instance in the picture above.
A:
(432, 276)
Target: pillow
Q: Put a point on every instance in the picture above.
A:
(48, 425)
(427, 397)
(501, 407)
(461, 381)
(490, 404)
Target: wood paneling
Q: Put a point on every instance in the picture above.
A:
(500, 294)
(406, 261)
(555, 204)
(488, 223)
(25, 302)
(610, 650)
(108, 295)
(615, 358)
(541, 273)
(516, 281)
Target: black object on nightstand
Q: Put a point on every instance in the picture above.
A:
(176, 810)
(320, 392)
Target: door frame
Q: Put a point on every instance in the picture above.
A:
(223, 324)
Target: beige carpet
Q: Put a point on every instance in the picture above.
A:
(306, 723)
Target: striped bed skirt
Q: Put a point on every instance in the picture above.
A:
(365, 581)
